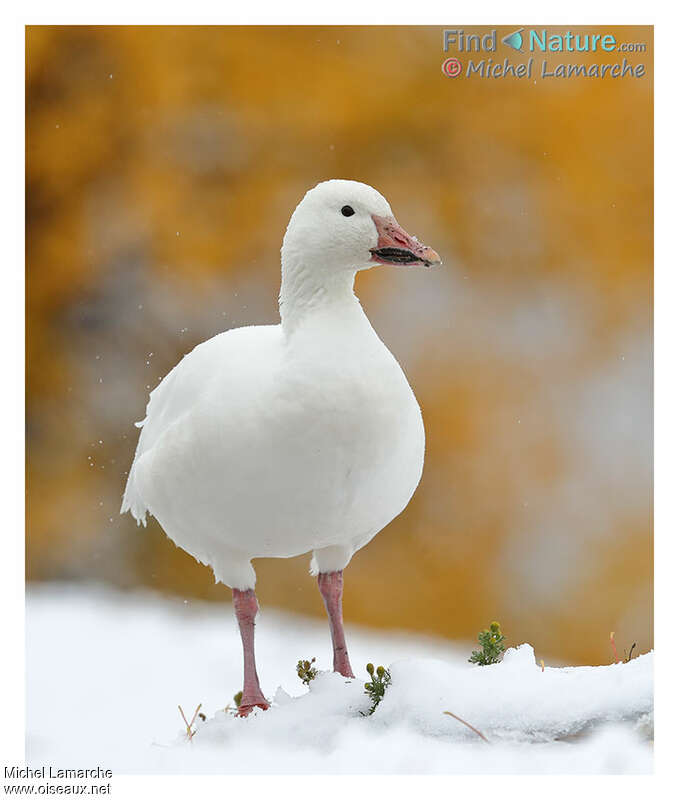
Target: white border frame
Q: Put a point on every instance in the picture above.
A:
(346, 12)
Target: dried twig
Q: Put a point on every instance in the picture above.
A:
(629, 657)
(542, 664)
(190, 733)
(471, 727)
(615, 652)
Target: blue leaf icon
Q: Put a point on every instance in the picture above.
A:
(514, 40)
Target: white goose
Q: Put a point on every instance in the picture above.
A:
(276, 440)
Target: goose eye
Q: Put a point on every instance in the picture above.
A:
(348, 211)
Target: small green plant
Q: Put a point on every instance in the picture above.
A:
(380, 678)
(306, 671)
(491, 646)
(233, 709)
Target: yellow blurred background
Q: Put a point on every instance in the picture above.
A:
(163, 164)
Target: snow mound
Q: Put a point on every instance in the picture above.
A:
(105, 671)
(511, 703)
(515, 700)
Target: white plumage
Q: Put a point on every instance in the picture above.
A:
(273, 441)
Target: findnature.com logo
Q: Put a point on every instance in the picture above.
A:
(539, 41)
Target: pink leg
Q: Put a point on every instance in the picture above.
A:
(330, 584)
(245, 604)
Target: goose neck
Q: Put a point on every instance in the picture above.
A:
(307, 292)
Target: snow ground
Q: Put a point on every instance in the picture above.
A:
(106, 670)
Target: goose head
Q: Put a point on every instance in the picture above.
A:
(344, 226)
